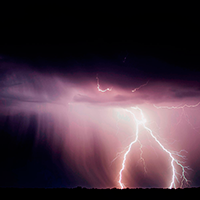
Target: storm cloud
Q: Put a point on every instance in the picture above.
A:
(86, 129)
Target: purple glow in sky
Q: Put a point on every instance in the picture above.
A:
(86, 130)
(77, 86)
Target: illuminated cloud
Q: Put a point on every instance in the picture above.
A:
(89, 128)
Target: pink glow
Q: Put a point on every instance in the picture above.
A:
(94, 127)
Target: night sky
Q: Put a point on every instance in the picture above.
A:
(58, 130)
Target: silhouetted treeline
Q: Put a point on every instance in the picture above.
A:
(82, 190)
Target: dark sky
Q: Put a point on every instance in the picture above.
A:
(56, 57)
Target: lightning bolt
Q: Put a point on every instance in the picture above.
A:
(140, 86)
(174, 161)
(183, 111)
(141, 158)
(98, 86)
(177, 107)
(142, 122)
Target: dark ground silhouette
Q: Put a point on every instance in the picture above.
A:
(82, 190)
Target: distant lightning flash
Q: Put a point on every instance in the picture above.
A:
(98, 86)
(140, 86)
(183, 111)
(177, 107)
(142, 122)
(141, 158)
